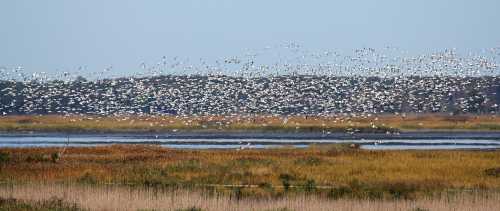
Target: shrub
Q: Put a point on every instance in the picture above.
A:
(4, 157)
(54, 157)
(286, 180)
(495, 172)
(310, 185)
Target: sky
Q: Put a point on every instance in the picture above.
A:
(61, 35)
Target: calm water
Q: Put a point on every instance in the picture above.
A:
(37, 140)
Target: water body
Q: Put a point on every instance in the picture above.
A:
(433, 141)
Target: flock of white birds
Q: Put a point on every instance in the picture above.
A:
(282, 80)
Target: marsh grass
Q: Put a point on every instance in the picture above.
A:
(98, 197)
(335, 171)
(250, 123)
(4, 157)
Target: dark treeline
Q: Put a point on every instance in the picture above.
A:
(286, 95)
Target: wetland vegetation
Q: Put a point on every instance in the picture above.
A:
(333, 174)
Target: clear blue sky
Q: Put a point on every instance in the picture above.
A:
(61, 35)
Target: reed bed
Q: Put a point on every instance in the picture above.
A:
(93, 197)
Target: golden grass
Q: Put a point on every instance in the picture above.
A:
(378, 123)
(121, 198)
(326, 170)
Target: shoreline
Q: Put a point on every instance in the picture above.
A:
(414, 135)
(244, 124)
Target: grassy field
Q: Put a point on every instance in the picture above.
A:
(334, 171)
(377, 124)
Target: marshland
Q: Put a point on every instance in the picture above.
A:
(331, 176)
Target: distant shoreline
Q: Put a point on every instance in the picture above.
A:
(261, 126)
